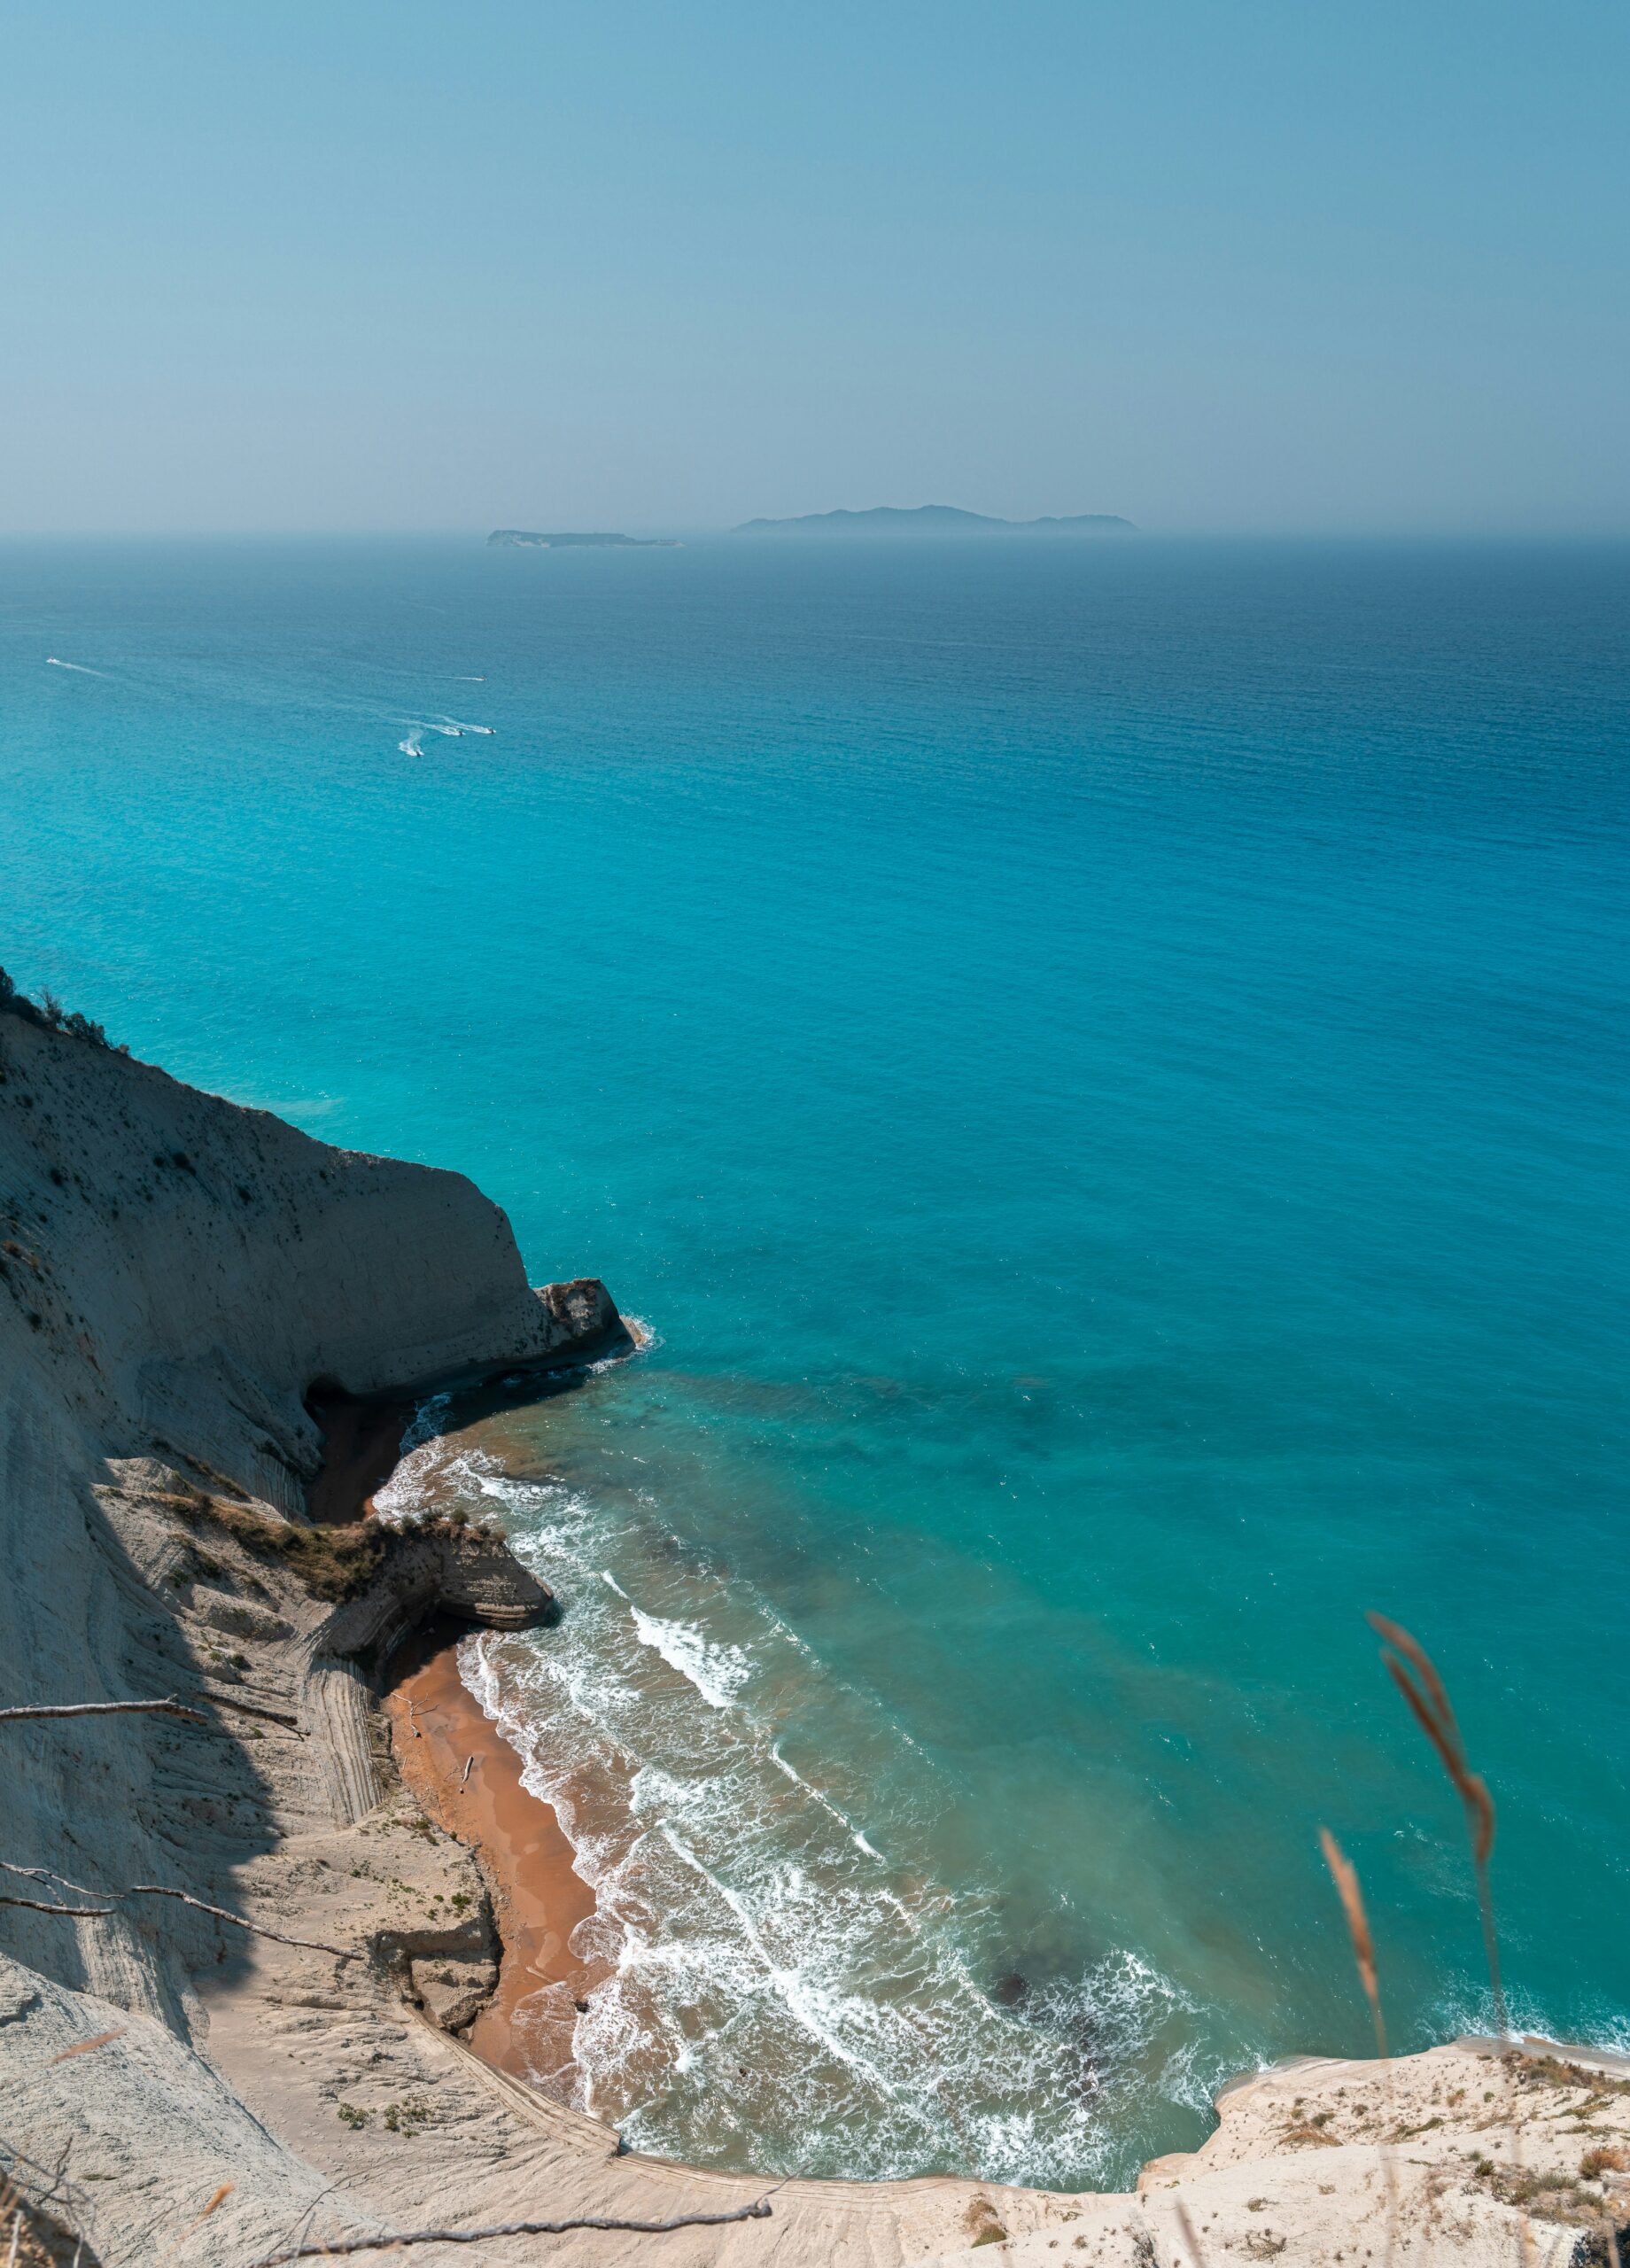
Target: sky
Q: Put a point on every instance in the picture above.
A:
(1216, 265)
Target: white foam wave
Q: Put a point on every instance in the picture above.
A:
(421, 1464)
(811, 2008)
(455, 725)
(428, 1421)
(778, 1992)
(826, 1803)
(80, 668)
(718, 1673)
(781, 1630)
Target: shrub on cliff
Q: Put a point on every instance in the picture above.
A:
(50, 1015)
(334, 1563)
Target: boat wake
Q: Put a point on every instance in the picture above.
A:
(448, 728)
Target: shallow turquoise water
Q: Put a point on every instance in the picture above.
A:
(1104, 1070)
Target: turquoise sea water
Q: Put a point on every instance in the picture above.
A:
(1103, 1070)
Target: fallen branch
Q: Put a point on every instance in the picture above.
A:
(38, 1906)
(305, 1944)
(153, 1890)
(170, 1708)
(334, 2247)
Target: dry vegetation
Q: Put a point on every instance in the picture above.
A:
(35, 2237)
(334, 1563)
(1577, 2200)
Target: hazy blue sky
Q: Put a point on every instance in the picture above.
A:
(1252, 265)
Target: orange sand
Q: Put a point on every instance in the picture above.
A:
(436, 1726)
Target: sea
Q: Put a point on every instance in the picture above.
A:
(1100, 1068)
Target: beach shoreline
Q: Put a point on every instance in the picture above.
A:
(467, 1779)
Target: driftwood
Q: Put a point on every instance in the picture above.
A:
(335, 2247)
(168, 1708)
(152, 1890)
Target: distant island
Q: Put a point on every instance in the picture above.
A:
(934, 519)
(526, 538)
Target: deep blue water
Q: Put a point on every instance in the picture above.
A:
(1103, 1068)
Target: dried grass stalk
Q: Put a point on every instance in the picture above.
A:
(85, 2046)
(1346, 1879)
(1429, 1704)
(1190, 2234)
(1430, 1707)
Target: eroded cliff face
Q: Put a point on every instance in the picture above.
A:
(173, 1260)
(175, 1273)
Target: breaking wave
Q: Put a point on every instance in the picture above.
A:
(788, 1985)
(715, 1671)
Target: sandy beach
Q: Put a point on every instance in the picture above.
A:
(468, 1778)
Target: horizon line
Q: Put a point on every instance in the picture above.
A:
(478, 531)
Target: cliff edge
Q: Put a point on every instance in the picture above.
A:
(177, 1275)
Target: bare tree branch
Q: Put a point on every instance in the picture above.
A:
(302, 2221)
(154, 1890)
(334, 2247)
(171, 1708)
(57, 2177)
(305, 1944)
(38, 1906)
